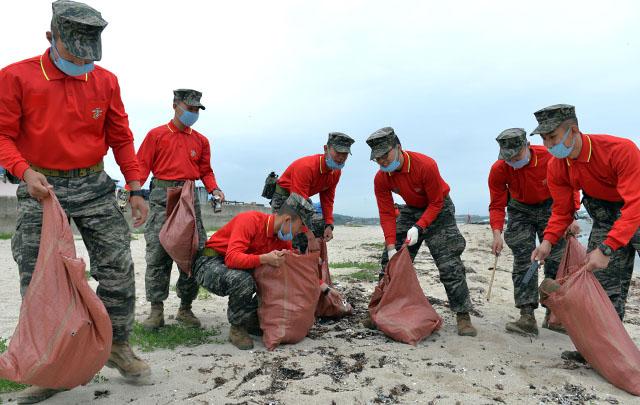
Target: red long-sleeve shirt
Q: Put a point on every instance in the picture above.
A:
(418, 183)
(309, 176)
(607, 169)
(56, 121)
(172, 154)
(243, 239)
(527, 185)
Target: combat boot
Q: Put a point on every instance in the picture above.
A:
(126, 362)
(35, 394)
(526, 325)
(240, 338)
(155, 319)
(186, 316)
(554, 327)
(465, 328)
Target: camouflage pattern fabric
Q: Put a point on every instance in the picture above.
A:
(189, 97)
(550, 118)
(616, 278)
(212, 274)
(525, 223)
(159, 263)
(90, 202)
(340, 142)
(79, 27)
(445, 243)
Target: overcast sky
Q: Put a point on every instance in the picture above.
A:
(278, 76)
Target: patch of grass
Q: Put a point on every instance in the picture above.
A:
(363, 275)
(5, 235)
(204, 294)
(172, 287)
(355, 265)
(87, 274)
(6, 385)
(374, 246)
(170, 337)
(134, 236)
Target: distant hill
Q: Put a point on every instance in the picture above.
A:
(339, 219)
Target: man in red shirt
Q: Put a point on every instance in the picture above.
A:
(173, 152)
(606, 169)
(315, 174)
(518, 182)
(429, 216)
(59, 114)
(250, 239)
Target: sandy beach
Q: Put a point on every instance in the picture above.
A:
(341, 362)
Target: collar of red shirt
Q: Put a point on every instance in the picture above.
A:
(172, 127)
(406, 165)
(534, 157)
(324, 169)
(51, 72)
(585, 152)
(271, 219)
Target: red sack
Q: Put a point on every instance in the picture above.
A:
(398, 306)
(332, 305)
(63, 337)
(595, 329)
(572, 260)
(288, 298)
(179, 233)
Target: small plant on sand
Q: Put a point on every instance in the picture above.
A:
(6, 385)
(170, 337)
(373, 246)
(354, 265)
(5, 235)
(204, 294)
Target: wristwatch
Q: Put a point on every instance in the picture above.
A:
(136, 193)
(605, 249)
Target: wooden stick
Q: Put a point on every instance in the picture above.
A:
(493, 274)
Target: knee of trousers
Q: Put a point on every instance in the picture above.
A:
(242, 285)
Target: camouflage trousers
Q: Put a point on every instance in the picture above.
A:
(525, 223)
(445, 243)
(212, 274)
(300, 240)
(615, 279)
(159, 263)
(90, 202)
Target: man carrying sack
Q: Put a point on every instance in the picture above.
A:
(518, 182)
(59, 114)
(173, 152)
(315, 174)
(429, 217)
(605, 168)
(250, 239)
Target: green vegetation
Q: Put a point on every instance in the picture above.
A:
(5, 235)
(6, 385)
(170, 337)
(363, 275)
(203, 294)
(355, 265)
(373, 246)
(87, 274)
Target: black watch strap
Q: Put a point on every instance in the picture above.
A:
(136, 193)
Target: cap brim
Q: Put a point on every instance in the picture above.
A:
(544, 129)
(195, 105)
(376, 154)
(88, 47)
(505, 154)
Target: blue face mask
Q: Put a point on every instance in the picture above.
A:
(287, 236)
(188, 118)
(519, 164)
(560, 150)
(331, 164)
(67, 67)
(393, 166)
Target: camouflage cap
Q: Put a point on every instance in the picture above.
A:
(382, 141)
(511, 142)
(189, 97)
(301, 206)
(551, 117)
(79, 27)
(340, 142)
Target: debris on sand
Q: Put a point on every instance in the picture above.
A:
(393, 396)
(570, 394)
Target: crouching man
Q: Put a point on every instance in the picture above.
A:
(249, 240)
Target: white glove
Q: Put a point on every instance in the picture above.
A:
(412, 236)
(391, 252)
